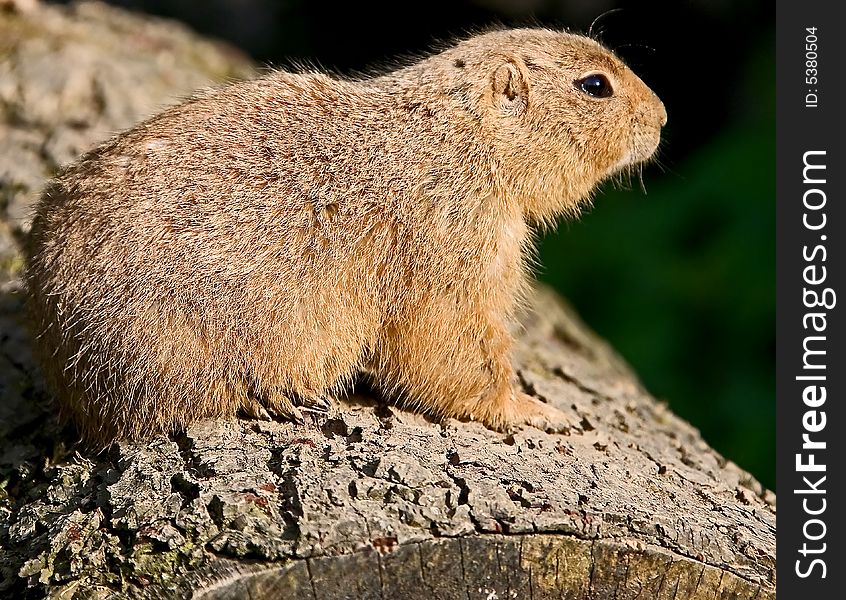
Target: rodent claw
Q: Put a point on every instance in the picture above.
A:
(296, 416)
(315, 404)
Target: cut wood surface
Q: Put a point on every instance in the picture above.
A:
(371, 501)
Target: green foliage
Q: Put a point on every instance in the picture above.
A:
(682, 281)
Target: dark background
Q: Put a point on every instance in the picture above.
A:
(680, 280)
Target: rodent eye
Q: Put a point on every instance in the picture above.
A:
(596, 85)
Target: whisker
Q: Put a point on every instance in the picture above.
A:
(633, 45)
(610, 11)
(666, 168)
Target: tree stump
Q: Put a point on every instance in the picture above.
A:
(371, 501)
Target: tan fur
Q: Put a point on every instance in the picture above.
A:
(259, 246)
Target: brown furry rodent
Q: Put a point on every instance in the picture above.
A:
(257, 247)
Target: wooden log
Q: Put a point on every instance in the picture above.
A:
(371, 502)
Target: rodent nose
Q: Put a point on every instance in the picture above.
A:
(662, 113)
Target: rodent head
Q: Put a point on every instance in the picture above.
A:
(563, 112)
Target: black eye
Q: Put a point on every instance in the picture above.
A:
(596, 85)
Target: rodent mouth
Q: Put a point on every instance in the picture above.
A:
(643, 145)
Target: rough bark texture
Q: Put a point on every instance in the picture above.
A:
(372, 502)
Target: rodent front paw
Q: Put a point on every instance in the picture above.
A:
(531, 411)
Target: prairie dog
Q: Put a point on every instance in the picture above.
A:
(259, 246)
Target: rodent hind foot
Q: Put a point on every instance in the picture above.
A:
(251, 407)
(275, 407)
(281, 407)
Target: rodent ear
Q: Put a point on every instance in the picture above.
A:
(510, 88)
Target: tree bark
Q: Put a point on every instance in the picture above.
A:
(371, 502)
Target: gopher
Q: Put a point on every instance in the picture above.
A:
(260, 246)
